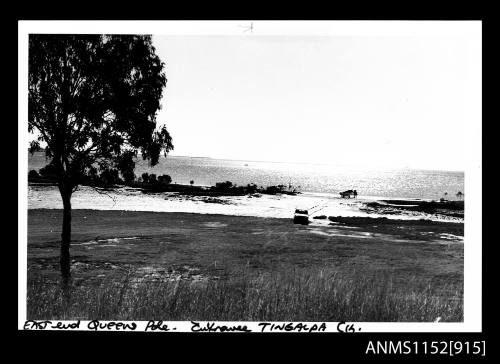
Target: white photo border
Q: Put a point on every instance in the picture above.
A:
(470, 31)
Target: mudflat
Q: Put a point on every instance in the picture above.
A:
(195, 246)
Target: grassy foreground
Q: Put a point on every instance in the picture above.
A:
(303, 295)
(174, 266)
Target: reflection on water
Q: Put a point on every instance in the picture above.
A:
(318, 178)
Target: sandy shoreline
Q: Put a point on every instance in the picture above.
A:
(278, 206)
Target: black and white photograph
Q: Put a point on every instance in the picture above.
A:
(229, 173)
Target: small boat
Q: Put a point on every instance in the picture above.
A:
(301, 217)
(349, 193)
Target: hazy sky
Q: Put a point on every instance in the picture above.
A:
(397, 101)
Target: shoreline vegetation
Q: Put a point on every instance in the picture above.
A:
(180, 266)
(150, 183)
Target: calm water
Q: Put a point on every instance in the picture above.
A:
(311, 178)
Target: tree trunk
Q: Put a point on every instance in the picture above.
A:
(65, 261)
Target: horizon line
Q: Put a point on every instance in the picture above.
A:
(307, 163)
(314, 163)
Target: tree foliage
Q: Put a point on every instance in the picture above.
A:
(94, 99)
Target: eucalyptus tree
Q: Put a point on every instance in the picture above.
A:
(93, 102)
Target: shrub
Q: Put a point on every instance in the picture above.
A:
(224, 186)
(126, 165)
(251, 188)
(49, 171)
(275, 189)
(128, 176)
(165, 179)
(110, 177)
(33, 174)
